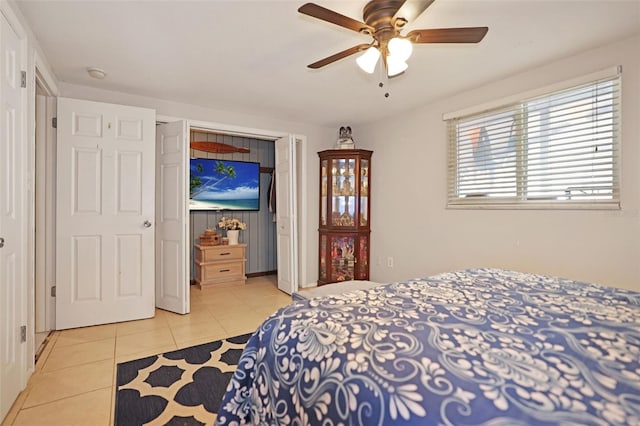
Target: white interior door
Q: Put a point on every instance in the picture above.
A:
(105, 211)
(13, 240)
(286, 240)
(172, 254)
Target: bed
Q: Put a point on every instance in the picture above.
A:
(472, 347)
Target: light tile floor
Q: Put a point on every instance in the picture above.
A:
(74, 381)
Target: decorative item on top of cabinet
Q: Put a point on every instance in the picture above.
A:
(220, 265)
(345, 178)
(345, 140)
(210, 238)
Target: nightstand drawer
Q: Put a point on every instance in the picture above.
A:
(219, 253)
(218, 270)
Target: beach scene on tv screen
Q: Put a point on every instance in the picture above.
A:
(224, 185)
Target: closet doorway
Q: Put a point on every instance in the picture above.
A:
(286, 162)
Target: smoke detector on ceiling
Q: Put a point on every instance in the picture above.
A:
(96, 73)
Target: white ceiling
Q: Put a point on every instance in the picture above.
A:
(251, 56)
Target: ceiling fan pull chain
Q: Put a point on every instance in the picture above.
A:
(381, 85)
(383, 74)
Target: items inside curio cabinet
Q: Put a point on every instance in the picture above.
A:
(345, 178)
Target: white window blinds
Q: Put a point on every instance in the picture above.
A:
(559, 149)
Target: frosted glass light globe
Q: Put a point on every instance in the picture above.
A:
(395, 66)
(368, 60)
(400, 48)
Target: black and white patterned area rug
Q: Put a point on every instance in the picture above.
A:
(183, 387)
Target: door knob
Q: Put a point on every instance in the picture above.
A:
(1, 242)
(147, 224)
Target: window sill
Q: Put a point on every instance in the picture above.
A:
(533, 205)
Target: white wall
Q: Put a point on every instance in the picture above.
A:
(411, 224)
(318, 138)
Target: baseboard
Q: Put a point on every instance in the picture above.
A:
(251, 275)
(261, 274)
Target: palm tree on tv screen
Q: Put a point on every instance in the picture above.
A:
(198, 185)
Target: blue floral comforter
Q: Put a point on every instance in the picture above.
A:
(475, 347)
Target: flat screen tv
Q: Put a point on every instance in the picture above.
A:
(224, 185)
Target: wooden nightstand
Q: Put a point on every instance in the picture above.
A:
(220, 265)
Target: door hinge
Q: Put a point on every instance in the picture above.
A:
(23, 334)
(53, 291)
(54, 122)
(23, 82)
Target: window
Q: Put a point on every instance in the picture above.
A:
(557, 149)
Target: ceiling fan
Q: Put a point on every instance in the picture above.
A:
(384, 20)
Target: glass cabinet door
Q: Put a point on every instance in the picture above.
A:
(323, 192)
(363, 258)
(323, 258)
(343, 203)
(364, 192)
(343, 265)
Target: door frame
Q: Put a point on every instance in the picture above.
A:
(44, 194)
(38, 73)
(300, 163)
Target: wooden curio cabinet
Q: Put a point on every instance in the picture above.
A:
(344, 215)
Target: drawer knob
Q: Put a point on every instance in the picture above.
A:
(224, 270)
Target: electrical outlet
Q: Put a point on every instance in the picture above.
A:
(390, 262)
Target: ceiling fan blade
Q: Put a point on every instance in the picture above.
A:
(410, 10)
(339, 55)
(448, 35)
(325, 14)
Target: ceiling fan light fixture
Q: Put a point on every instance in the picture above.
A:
(384, 20)
(368, 60)
(395, 66)
(400, 48)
